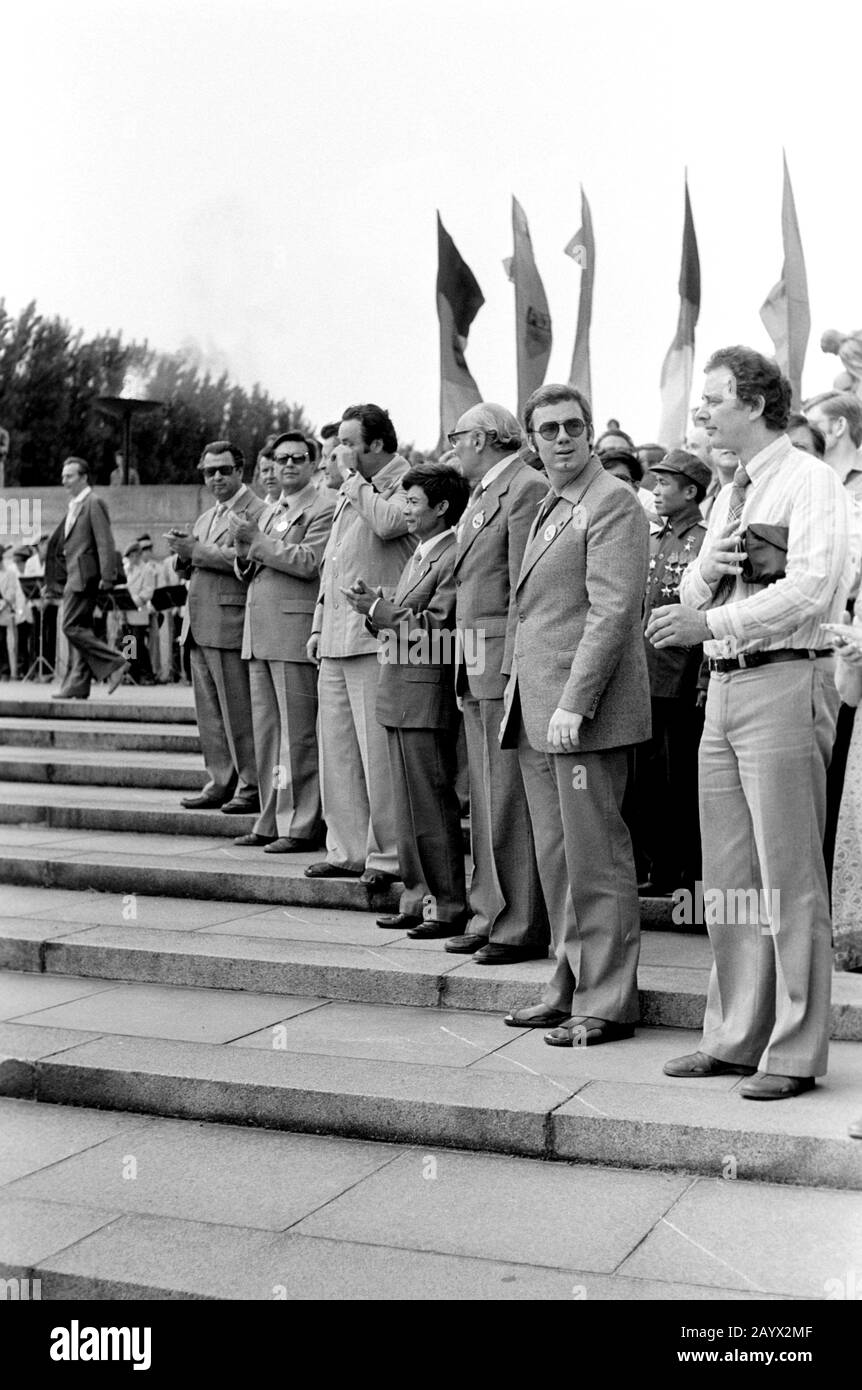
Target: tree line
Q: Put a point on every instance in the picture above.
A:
(51, 378)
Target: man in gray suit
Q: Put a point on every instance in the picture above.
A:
(89, 560)
(577, 701)
(509, 922)
(213, 628)
(369, 540)
(279, 558)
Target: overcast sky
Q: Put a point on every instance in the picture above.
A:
(260, 177)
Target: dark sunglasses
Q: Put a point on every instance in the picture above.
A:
(574, 429)
(221, 470)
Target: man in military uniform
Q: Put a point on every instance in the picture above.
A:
(665, 788)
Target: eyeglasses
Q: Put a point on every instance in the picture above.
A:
(455, 434)
(574, 429)
(221, 470)
(291, 458)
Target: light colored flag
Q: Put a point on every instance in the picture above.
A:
(582, 249)
(785, 312)
(459, 300)
(532, 316)
(678, 367)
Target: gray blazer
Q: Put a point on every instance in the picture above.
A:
(282, 570)
(491, 539)
(216, 601)
(575, 619)
(418, 693)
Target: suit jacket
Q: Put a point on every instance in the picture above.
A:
(215, 609)
(369, 540)
(282, 571)
(88, 553)
(576, 617)
(491, 539)
(416, 689)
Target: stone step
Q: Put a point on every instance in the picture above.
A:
(192, 867)
(339, 954)
(101, 735)
(76, 766)
(406, 1075)
(164, 704)
(138, 809)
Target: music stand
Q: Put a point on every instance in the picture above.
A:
(120, 601)
(33, 589)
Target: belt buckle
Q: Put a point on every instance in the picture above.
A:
(743, 662)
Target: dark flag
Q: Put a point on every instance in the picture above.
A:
(459, 300)
(676, 374)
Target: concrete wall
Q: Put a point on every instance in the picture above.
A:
(133, 510)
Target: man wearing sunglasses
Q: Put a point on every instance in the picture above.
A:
(213, 628)
(577, 701)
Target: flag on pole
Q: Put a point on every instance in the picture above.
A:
(532, 316)
(676, 373)
(785, 312)
(459, 300)
(582, 249)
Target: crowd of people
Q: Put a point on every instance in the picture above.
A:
(627, 661)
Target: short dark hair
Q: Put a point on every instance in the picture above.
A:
(224, 446)
(617, 434)
(757, 377)
(295, 437)
(375, 424)
(556, 394)
(441, 483)
(610, 459)
(81, 464)
(798, 421)
(841, 405)
(329, 431)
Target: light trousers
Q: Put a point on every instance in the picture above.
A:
(354, 766)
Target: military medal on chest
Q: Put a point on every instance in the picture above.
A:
(477, 521)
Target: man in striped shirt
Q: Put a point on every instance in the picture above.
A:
(770, 723)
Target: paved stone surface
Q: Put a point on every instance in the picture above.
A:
(168, 1011)
(399, 1035)
(26, 901)
(36, 1136)
(210, 1173)
(785, 1240)
(134, 910)
(32, 1230)
(466, 1205)
(315, 924)
(21, 994)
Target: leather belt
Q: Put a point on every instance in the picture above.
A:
(747, 662)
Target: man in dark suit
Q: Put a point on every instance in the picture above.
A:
(416, 705)
(213, 629)
(84, 554)
(508, 922)
(577, 701)
(279, 558)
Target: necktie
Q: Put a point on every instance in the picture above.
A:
(471, 502)
(545, 510)
(741, 482)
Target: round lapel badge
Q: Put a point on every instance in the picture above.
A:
(550, 532)
(477, 520)
(283, 524)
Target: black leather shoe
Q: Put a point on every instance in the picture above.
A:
(377, 879)
(536, 1016)
(465, 945)
(491, 954)
(71, 695)
(117, 677)
(648, 889)
(398, 921)
(238, 807)
(701, 1064)
(201, 803)
(286, 844)
(588, 1032)
(253, 841)
(768, 1086)
(323, 869)
(854, 1129)
(433, 931)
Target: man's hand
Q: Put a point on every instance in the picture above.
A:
(241, 529)
(564, 730)
(360, 597)
(344, 460)
(723, 556)
(180, 545)
(677, 626)
(312, 648)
